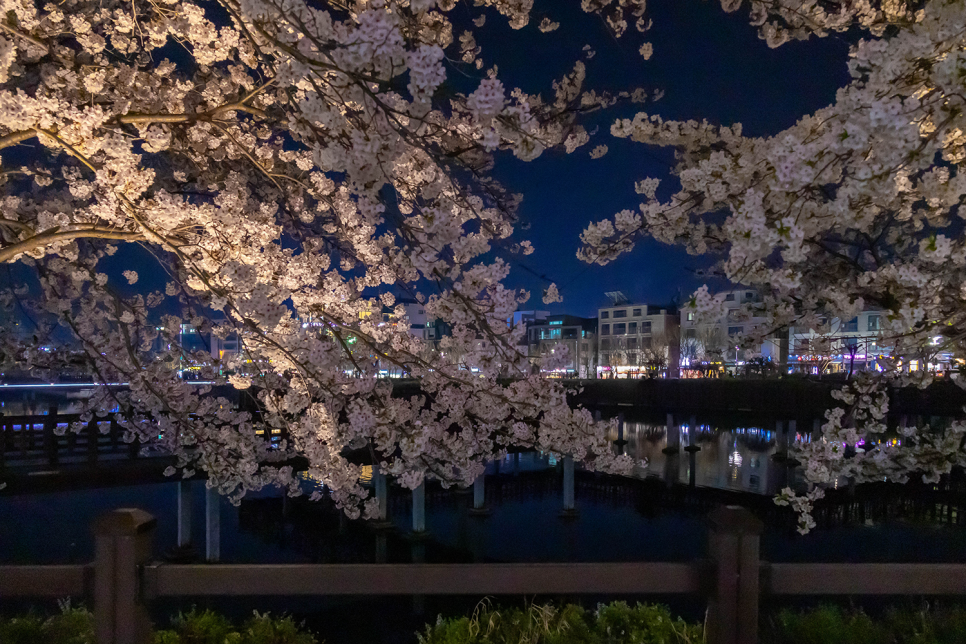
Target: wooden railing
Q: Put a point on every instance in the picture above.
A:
(123, 579)
(49, 439)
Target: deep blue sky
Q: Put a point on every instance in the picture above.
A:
(711, 65)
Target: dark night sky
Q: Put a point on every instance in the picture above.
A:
(711, 66)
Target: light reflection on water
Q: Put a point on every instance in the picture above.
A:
(734, 459)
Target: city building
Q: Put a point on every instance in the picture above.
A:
(637, 341)
(576, 335)
(415, 315)
(711, 348)
(845, 346)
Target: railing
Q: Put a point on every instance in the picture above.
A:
(48, 439)
(122, 579)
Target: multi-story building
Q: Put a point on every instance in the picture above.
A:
(577, 335)
(637, 340)
(415, 315)
(709, 348)
(845, 345)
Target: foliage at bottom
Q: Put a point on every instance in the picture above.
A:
(615, 623)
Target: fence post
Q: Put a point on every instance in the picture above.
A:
(122, 543)
(733, 607)
(92, 439)
(51, 444)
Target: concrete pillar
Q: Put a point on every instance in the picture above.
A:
(419, 508)
(382, 492)
(673, 436)
(568, 484)
(692, 430)
(672, 468)
(212, 525)
(122, 542)
(781, 441)
(479, 492)
(184, 513)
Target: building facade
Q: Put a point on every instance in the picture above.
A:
(710, 349)
(846, 345)
(638, 341)
(576, 335)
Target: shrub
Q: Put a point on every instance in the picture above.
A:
(615, 623)
(833, 625)
(70, 626)
(208, 627)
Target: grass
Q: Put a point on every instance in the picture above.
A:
(834, 625)
(76, 626)
(615, 623)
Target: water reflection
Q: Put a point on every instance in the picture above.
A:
(734, 458)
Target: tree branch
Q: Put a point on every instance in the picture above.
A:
(8, 253)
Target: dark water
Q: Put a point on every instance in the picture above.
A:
(525, 525)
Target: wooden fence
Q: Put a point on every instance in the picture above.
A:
(122, 580)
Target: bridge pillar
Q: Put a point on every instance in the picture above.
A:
(479, 497)
(419, 508)
(569, 508)
(212, 525)
(620, 433)
(382, 492)
(673, 436)
(781, 441)
(184, 513)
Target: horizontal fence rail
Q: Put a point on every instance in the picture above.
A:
(423, 579)
(45, 581)
(863, 579)
(123, 578)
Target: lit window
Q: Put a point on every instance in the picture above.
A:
(690, 317)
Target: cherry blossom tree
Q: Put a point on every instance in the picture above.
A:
(857, 205)
(289, 166)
